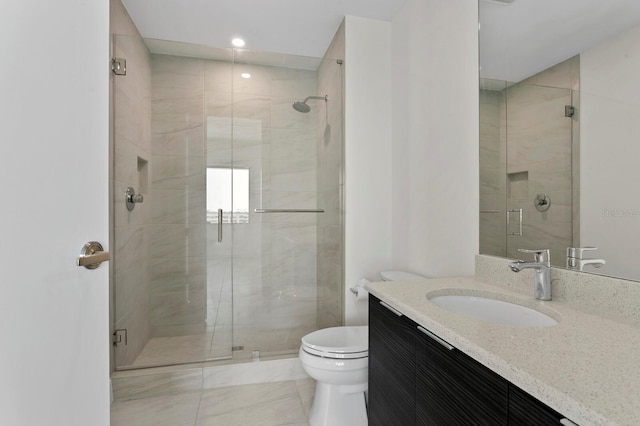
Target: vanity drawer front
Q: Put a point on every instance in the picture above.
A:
(525, 410)
(453, 389)
(391, 367)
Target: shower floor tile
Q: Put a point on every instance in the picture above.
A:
(266, 404)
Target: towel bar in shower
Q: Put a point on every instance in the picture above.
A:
(289, 210)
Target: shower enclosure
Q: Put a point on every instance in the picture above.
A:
(235, 250)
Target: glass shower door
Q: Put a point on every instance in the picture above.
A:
(172, 266)
(276, 253)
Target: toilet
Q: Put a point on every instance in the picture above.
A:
(337, 358)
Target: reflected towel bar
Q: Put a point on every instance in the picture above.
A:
(289, 210)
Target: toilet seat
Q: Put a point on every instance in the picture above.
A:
(338, 342)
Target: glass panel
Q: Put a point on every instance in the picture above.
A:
(171, 275)
(131, 159)
(276, 256)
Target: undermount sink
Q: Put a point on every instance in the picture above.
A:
(491, 309)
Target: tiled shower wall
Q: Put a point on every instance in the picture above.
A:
(539, 142)
(178, 249)
(330, 266)
(131, 152)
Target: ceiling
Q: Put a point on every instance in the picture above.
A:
(517, 39)
(520, 39)
(295, 27)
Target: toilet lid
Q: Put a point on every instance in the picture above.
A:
(399, 276)
(338, 342)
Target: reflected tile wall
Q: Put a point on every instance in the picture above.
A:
(131, 167)
(539, 146)
(492, 174)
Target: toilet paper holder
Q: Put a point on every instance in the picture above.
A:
(359, 291)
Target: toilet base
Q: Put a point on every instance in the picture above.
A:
(336, 405)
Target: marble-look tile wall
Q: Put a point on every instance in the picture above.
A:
(131, 160)
(539, 143)
(178, 246)
(330, 263)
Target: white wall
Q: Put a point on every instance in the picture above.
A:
(609, 153)
(367, 157)
(411, 147)
(435, 137)
(54, 168)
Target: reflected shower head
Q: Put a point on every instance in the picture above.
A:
(303, 107)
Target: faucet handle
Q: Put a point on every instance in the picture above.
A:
(578, 252)
(539, 256)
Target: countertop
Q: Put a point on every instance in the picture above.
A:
(587, 367)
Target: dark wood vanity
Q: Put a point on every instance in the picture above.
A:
(416, 378)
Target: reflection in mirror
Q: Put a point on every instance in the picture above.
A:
(558, 129)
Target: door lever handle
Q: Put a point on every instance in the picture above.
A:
(92, 255)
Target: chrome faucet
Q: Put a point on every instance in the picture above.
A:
(576, 262)
(542, 265)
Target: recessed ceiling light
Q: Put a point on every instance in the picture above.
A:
(245, 75)
(238, 42)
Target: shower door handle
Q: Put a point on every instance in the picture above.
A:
(219, 225)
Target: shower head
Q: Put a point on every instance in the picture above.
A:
(303, 107)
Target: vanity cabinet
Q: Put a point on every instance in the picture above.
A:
(416, 378)
(454, 389)
(525, 410)
(392, 368)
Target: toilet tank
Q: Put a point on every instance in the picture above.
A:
(399, 276)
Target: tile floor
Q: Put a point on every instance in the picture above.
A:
(264, 404)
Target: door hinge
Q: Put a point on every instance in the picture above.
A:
(119, 66)
(569, 111)
(120, 337)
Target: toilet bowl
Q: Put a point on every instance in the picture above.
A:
(337, 358)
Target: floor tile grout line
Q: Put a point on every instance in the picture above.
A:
(301, 401)
(197, 416)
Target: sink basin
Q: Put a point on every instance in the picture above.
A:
(491, 309)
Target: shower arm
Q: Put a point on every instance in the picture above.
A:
(315, 97)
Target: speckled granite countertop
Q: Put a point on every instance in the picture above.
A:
(587, 367)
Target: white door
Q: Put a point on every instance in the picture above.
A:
(54, 343)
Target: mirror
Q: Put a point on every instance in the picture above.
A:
(559, 123)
